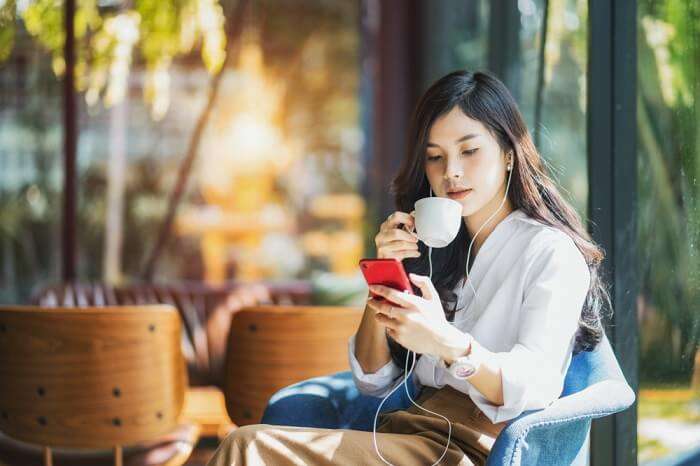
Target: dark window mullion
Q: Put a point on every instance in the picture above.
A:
(70, 144)
(612, 159)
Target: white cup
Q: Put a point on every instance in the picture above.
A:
(437, 220)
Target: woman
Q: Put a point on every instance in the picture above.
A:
(512, 316)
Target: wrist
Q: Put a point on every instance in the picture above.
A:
(454, 344)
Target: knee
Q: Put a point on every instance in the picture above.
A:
(242, 435)
(232, 449)
(301, 410)
(316, 402)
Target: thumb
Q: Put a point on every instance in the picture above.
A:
(425, 285)
(413, 215)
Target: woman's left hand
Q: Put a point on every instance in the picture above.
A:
(417, 323)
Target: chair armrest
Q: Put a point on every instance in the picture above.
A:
(569, 415)
(546, 445)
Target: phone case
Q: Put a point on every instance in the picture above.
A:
(387, 272)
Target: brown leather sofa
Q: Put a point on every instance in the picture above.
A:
(205, 310)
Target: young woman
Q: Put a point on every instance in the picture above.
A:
(494, 328)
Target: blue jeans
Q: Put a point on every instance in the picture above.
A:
(332, 402)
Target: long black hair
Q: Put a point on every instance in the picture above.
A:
(482, 97)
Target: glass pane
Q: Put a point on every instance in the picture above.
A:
(31, 147)
(275, 175)
(458, 36)
(669, 230)
(555, 108)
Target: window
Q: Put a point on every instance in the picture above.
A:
(31, 148)
(272, 188)
(669, 228)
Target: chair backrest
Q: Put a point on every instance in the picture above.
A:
(271, 347)
(590, 367)
(196, 302)
(90, 377)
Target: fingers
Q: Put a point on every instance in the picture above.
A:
(390, 324)
(395, 240)
(385, 313)
(397, 234)
(397, 252)
(396, 219)
(397, 297)
(393, 333)
(397, 244)
(401, 255)
(426, 286)
(384, 307)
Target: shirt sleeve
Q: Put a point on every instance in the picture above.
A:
(533, 370)
(378, 383)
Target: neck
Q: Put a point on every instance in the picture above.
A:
(474, 221)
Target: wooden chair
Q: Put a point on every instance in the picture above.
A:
(92, 386)
(205, 311)
(271, 347)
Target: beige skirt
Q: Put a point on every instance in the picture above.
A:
(404, 437)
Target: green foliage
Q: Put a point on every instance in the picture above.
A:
(160, 28)
(669, 177)
(104, 41)
(7, 28)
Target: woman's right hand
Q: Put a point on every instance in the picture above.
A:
(395, 242)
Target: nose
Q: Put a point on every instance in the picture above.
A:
(453, 170)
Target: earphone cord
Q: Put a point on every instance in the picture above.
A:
(469, 251)
(408, 373)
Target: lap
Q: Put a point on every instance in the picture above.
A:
(267, 444)
(404, 437)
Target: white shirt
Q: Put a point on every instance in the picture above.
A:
(531, 282)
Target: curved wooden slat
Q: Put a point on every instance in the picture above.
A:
(90, 377)
(271, 347)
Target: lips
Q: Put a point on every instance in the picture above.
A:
(458, 193)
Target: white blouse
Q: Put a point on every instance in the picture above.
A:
(531, 282)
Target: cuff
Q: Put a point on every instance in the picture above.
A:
(514, 400)
(374, 383)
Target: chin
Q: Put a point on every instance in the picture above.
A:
(469, 208)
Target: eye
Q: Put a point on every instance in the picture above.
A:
(470, 151)
(432, 158)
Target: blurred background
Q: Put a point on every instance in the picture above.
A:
(211, 141)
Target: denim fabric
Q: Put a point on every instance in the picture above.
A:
(555, 436)
(332, 402)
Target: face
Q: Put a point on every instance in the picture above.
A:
(461, 155)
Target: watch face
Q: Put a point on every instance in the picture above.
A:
(464, 371)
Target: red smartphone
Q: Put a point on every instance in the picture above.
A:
(387, 272)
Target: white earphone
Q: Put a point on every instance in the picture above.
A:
(407, 373)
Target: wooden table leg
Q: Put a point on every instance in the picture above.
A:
(118, 456)
(48, 459)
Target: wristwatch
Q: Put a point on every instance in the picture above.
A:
(464, 366)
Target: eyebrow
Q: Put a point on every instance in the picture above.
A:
(462, 139)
